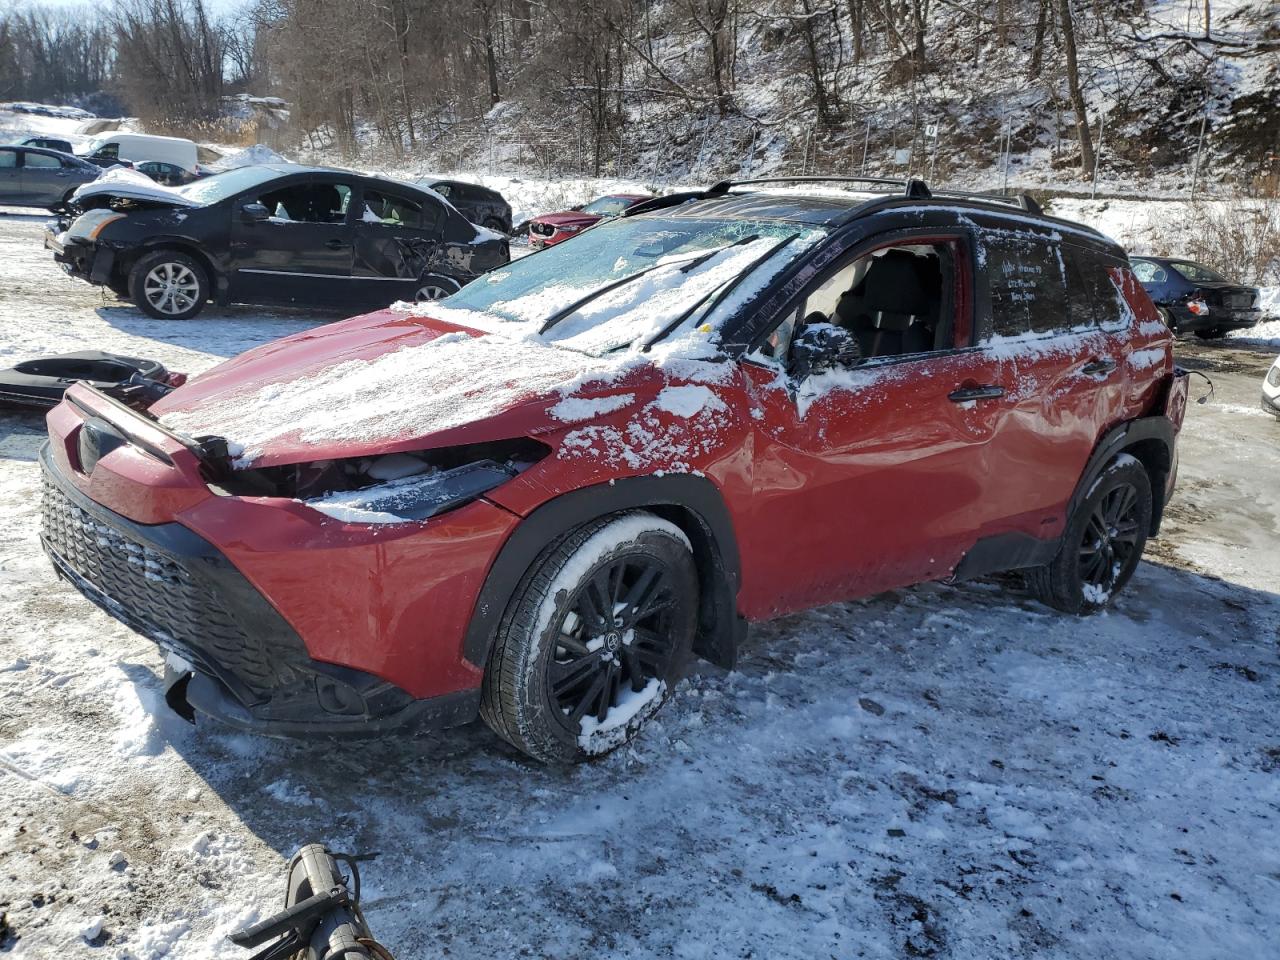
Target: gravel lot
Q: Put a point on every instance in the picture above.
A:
(948, 771)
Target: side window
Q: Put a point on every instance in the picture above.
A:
(390, 210)
(41, 161)
(8, 159)
(1027, 279)
(1102, 277)
(444, 190)
(1148, 272)
(108, 151)
(899, 300)
(308, 202)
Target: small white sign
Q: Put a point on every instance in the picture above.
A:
(931, 130)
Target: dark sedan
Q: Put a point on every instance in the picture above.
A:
(169, 174)
(1196, 298)
(270, 234)
(49, 143)
(478, 204)
(36, 177)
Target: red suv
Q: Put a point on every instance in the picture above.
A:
(551, 228)
(535, 499)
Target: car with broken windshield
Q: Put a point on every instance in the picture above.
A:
(536, 500)
(271, 234)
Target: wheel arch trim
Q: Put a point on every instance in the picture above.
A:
(693, 503)
(1150, 440)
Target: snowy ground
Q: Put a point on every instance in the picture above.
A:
(948, 771)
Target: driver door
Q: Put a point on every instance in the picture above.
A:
(301, 252)
(875, 476)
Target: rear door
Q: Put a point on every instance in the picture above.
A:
(10, 176)
(397, 237)
(1064, 369)
(876, 476)
(44, 180)
(303, 252)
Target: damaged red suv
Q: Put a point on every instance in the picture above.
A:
(536, 499)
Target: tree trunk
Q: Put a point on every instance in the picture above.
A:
(1037, 45)
(1073, 85)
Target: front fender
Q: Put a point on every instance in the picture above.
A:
(694, 503)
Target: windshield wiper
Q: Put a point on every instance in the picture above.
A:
(724, 292)
(581, 302)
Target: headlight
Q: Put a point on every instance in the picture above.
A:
(89, 225)
(389, 488)
(1273, 376)
(413, 498)
(1198, 307)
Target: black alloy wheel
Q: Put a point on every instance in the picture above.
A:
(617, 635)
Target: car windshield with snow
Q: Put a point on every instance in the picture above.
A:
(536, 500)
(270, 234)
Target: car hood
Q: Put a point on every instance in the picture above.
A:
(388, 382)
(120, 183)
(568, 218)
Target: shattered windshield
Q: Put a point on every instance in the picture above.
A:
(628, 280)
(220, 186)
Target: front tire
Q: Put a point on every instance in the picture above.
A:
(168, 285)
(1103, 543)
(595, 636)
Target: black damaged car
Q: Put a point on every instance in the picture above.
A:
(275, 234)
(1197, 299)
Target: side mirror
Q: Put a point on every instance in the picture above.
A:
(821, 347)
(254, 213)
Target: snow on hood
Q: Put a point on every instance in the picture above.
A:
(567, 217)
(132, 185)
(310, 400)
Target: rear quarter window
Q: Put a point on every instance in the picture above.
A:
(1031, 286)
(1102, 277)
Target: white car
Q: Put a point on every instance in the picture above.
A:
(1271, 390)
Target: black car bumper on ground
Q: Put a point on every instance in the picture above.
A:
(1271, 405)
(251, 669)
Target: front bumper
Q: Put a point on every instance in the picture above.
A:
(86, 261)
(252, 670)
(1271, 404)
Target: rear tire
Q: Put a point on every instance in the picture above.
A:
(494, 224)
(594, 638)
(1103, 542)
(168, 285)
(1213, 333)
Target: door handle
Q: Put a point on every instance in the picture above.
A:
(1098, 367)
(987, 391)
(336, 244)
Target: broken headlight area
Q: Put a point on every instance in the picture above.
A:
(392, 487)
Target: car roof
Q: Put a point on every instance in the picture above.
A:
(799, 208)
(747, 200)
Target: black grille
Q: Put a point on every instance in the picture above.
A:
(166, 596)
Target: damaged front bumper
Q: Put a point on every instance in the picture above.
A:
(84, 260)
(249, 668)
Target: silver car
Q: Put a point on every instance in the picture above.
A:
(36, 177)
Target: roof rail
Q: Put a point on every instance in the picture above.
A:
(916, 189)
(1020, 200)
